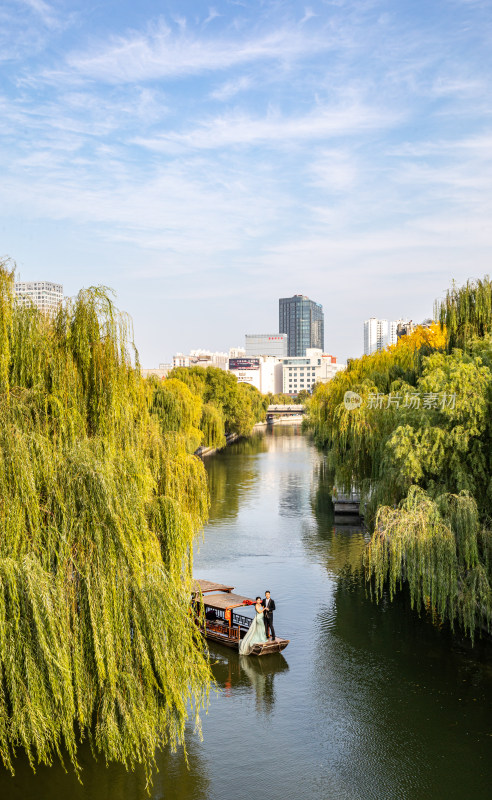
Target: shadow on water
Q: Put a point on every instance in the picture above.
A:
(248, 675)
(111, 782)
(414, 697)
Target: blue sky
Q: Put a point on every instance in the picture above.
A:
(204, 160)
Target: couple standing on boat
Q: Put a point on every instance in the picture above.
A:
(262, 624)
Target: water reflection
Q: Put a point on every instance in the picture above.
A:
(327, 539)
(292, 497)
(247, 674)
(228, 485)
(173, 778)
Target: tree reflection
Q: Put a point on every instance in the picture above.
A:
(339, 546)
(231, 475)
(175, 777)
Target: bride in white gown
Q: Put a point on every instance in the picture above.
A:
(256, 631)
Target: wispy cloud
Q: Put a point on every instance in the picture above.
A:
(231, 88)
(212, 14)
(162, 53)
(355, 140)
(44, 11)
(242, 129)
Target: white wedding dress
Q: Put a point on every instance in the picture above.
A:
(256, 634)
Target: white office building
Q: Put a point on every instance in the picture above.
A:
(44, 295)
(237, 352)
(266, 344)
(378, 334)
(264, 372)
(303, 372)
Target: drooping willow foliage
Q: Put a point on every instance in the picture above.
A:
(228, 406)
(466, 311)
(178, 409)
(437, 548)
(100, 500)
(419, 450)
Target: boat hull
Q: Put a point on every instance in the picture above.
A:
(258, 649)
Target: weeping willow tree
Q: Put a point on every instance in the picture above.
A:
(418, 448)
(438, 549)
(466, 311)
(178, 409)
(228, 406)
(212, 426)
(99, 505)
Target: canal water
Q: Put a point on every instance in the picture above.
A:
(367, 702)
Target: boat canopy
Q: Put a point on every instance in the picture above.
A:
(228, 600)
(209, 586)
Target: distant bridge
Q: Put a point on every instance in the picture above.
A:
(295, 408)
(286, 414)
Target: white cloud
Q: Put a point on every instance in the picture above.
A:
(43, 10)
(161, 53)
(240, 129)
(334, 170)
(231, 88)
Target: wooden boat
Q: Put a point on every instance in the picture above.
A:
(222, 623)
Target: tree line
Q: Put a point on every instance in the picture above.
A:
(204, 404)
(101, 499)
(417, 445)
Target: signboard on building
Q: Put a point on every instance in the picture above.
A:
(244, 363)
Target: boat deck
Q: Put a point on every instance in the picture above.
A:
(222, 622)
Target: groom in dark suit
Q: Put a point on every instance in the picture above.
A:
(269, 606)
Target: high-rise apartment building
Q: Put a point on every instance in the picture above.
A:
(43, 294)
(303, 321)
(378, 334)
(266, 344)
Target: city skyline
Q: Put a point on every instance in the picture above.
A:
(202, 161)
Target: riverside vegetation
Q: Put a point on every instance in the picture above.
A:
(101, 498)
(423, 469)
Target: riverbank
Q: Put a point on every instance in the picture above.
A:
(201, 452)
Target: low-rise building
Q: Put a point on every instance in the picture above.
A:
(161, 372)
(303, 372)
(264, 372)
(404, 327)
(201, 358)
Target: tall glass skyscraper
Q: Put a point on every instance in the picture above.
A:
(303, 321)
